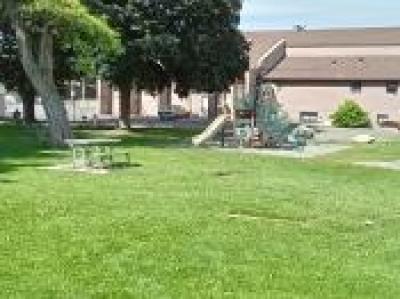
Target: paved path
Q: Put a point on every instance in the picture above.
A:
(345, 136)
(392, 165)
(310, 151)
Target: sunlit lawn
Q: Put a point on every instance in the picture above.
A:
(196, 223)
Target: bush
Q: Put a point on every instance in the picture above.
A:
(350, 115)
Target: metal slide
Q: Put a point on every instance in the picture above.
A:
(211, 130)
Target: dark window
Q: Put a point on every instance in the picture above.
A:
(65, 90)
(308, 117)
(356, 86)
(392, 87)
(76, 87)
(90, 89)
(381, 118)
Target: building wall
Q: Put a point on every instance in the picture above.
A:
(150, 105)
(76, 110)
(325, 97)
(195, 103)
(106, 105)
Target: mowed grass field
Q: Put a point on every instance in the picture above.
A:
(197, 223)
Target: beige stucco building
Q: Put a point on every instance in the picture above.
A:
(101, 101)
(314, 71)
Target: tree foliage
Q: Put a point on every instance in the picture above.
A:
(11, 69)
(195, 44)
(83, 39)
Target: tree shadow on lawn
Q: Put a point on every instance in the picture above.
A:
(20, 148)
(7, 181)
(156, 138)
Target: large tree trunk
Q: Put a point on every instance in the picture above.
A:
(27, 93)
(136, 101)
(213, 99)
(125, 106)
(166, 99)
(38, 66)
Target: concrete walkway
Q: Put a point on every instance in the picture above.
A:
(392, 165)
(346, 136)
(310, 151)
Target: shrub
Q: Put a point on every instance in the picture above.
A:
(350, 115)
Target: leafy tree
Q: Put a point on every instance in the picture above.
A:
(15, 79)
(351, 115)
(195, 44)
(41, 24)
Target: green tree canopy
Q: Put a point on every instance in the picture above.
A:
(84, 39)
(195, 44)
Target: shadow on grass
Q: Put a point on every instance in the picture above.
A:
(20, 148)
(155, 138)
(7, 181)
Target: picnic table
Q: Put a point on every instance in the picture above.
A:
(94, 153)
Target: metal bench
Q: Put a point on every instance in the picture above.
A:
(97, 153)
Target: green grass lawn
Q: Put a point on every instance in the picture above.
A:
(197, 223)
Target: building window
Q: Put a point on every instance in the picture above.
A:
(65, 90)
(308, 117)
(76, 90)
(356, 86)
(381, 118)
(392, 87)
(90, 89)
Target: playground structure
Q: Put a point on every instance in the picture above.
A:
(211, 130)
(255, 122)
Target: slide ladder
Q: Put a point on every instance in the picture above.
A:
(211, 130)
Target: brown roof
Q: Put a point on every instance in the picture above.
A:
(262, 41)
(370, 68)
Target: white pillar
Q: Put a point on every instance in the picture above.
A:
(98, 97)
(116, 97)
(247, 83)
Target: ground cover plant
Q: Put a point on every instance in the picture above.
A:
(197, 223)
